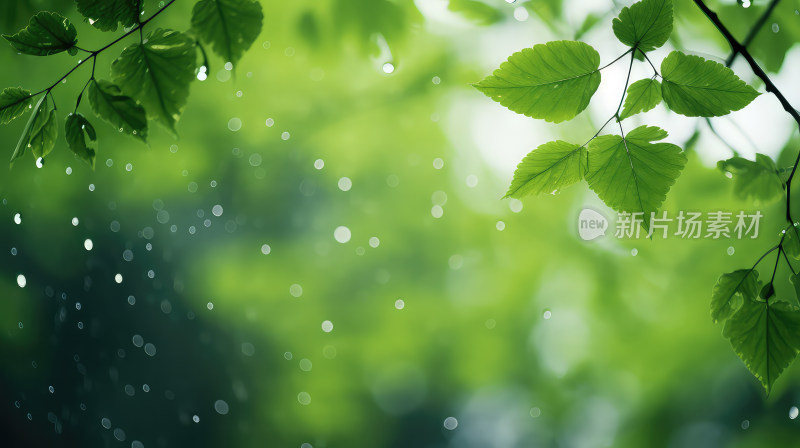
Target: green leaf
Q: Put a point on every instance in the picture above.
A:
(791, 244)
(105, 14)
(552, 81)
(795, 280)
(78, 129)
(40, 132)
(754, 180)
(765, 336)
(643, 95)
(547, 168)
(157, 73)
(47, 33)
(730, 289)
(14, 101)
(646, 25)
(229, 26)
(697, 87)
(588, 23)
(120, 111)
(476, 11)
(632, 174)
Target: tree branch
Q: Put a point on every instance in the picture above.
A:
(737, 47)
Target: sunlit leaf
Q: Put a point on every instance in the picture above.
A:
(643, 95)
(633, 174)
(81, 138)
(476, 11)
(765, 336)
(120, 111)
(547, 168)
(645, 25)
(229, 26)
(14, 101)
(47, 33)
(105, 14)
(697, 87)
(791, 243)
(157, 73)
(552, 81)
(755, 180)
(727, 295)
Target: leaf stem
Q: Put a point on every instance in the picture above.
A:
(615, 60)
(625, 89)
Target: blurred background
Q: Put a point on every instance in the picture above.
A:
(322, 259)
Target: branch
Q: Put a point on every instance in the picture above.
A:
(753, 31)
(768, 85)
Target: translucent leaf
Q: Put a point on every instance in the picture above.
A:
(47, 33)
(765, 336)
(120, 111)
(476, 11)
(14, 101)
(633, 174)
(78, 131)
(697, 87)
(754, 180)
(645, 25)
(229, 26)
(105, 14)
(157, 73)
(643, 95)
(547, 168)
(40, 132)
(791, 244)
(552, 81)
(730, 289)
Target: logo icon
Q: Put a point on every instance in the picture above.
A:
(591, 224)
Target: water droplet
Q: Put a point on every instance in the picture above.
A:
(17, 219)
(304, 398)
(75, 221)
(221, 406)
(515, 205)
(793, 412)
(269, 122)
(536, 412)
(210, 305)
(472, 181)
(634, 251)
(217, 210)
(319, 164)
(745, 424)
(731, 250)
(437, 211)
(436, 80)
(21, 281)
(234, 124)
(450, 423)
(118, 278)
(342, 234)
(374, 242)
(775, 28)
(500, 225)
(547, 314)
(265, 249)
(327, 326)
(88, 245)
(228, 66)
(388, 68)
(196, 418)
(345, 184)
(521, 14)
(399, 304)
(150, 349)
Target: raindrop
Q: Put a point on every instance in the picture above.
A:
(296, 290)
(75, 221)
(745, 424)
(520, 13)
(437, 211)
(285, 135)
(118, 278)
(265, 249)
(195, 418)
(775, 28)
(388, 68)
(228, 66)
(39, 162)
(221, 406)
(319, 164)
(305, 365)
(399, 304)
(793, 412)
(304, 398)
(515, 205)
(345, 184)
(150, 349)
(450, 423)
(327, 326)
(731, 250)
(17, 219)
(137, 340)
(87, 244)
(114, 226)
(342, 234)
(374, 242)
(248, 349)
(438, 163)
(536, 412)
(105, 423)
(500, 225)
(547, 315)
(234, 124)
(21, 281)
(472, 181)
(210, 306)
(634, 251)
(217, 210)
(270, 122)
(436, 80)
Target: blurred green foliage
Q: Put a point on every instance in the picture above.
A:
(528, 336)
